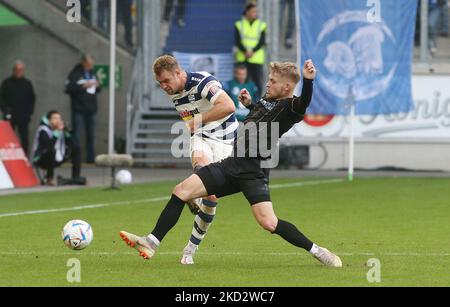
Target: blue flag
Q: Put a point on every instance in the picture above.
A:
(363, 51)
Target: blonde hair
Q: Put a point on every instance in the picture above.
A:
(287, 70)
(165, 63)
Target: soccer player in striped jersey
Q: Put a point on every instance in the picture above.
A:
(209, 115)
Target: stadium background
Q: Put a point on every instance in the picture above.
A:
(39, 34)
(399, 217)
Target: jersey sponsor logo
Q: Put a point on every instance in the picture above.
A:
(267, 105)
(214, 90)
(188, 115)
(196, 79)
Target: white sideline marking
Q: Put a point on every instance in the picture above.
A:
(125, 203)
(118, 203)
(222, 253)
(305, 183)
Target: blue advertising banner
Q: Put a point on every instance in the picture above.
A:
(363, 51)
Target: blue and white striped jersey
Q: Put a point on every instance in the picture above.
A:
(199, 95)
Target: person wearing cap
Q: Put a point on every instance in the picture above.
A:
(250, 41)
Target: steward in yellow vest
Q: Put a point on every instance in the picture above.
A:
(250, 40)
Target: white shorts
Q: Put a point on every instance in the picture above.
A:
(216, 151)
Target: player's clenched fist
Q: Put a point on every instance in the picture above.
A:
(245, 98)
(309, 70)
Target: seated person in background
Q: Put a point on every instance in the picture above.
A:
(52, 147)
(234, 87)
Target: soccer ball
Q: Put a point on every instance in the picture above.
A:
(124, 177)
(77, 234)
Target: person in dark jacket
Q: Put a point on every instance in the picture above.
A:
(83, 88)
(17, 100)
(53, 145)
(125, 16)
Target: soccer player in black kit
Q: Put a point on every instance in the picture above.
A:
(245, 170)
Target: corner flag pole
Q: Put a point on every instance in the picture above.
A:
(112, 74)
(351, 147)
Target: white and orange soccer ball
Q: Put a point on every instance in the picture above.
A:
(77, 234)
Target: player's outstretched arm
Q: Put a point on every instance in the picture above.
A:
(309, 74)
(309, 70)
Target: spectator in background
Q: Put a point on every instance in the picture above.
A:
(103, 15)
(124, 16)
(434, 14)
(179, 11)
(86, 9)
(83, 88)
(290, 26)
(250, 40)
(417, 27)
(17, 100)
(444, 18)
(53, 146)
(234, 87)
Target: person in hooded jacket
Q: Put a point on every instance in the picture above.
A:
(53, 145)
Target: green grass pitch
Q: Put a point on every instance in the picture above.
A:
(403, 222)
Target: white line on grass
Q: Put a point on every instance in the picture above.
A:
(305, 183)
(118, 203)
(157, 199)
(84, 253)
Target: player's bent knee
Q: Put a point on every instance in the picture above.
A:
(182, 192)
(268, 224)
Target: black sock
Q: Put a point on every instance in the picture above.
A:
(291, 234)
(169, 217)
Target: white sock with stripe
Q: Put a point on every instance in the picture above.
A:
(202, 223)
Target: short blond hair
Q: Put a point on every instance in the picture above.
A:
(287, 70)
(165, 63)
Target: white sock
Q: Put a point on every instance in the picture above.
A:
(152, 239)
(192, 247)
(314, 249)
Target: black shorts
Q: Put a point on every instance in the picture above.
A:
(234, 175)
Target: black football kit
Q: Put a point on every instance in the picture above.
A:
(243, 170)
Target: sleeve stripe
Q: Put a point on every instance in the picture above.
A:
(202, 84)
